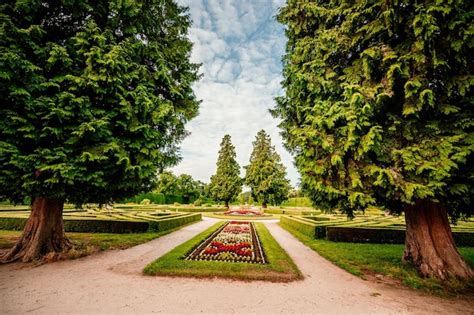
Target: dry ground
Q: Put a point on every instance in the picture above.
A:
(111, 283)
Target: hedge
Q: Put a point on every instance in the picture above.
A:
(289, 211)
(171, 223)
(383, 235)
(157, 198)
(328, 230)
(306, 228)
(109, 226)
(86, 225)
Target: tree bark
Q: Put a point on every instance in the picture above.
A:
(429, 243)
(227, 204)
(264, 205)
(43, 232)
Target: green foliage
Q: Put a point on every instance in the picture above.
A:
(378, 105)
(266, 175)
(110, 226)
(297, 202)
(226, 184)
(183, 185)
(95, 96)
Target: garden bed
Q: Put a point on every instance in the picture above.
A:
(277, 266)
(233, 242)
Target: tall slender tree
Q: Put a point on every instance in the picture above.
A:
(95, 95)
(378, 110)
(226, 184)
(266, 175)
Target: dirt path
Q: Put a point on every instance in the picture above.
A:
(111, 283)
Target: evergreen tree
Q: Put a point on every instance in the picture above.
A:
(95, 95)
(266, 175)
(378, 110)
(226, 184)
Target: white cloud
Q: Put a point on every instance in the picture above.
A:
(240, 46)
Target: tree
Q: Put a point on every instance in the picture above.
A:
(226, 184)
(378, 111)
(167, 184)
(266, 175)
(95, 96)
(188, 188)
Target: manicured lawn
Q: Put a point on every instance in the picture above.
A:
(279, 269)
(89, 243)
(367, 260)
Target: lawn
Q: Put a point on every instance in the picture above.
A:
(89, 243)
(280, 267)
(368, 260)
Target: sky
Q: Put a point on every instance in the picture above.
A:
(240, 46)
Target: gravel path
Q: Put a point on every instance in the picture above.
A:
(111, 283)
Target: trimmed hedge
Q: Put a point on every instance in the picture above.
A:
(306, 228)
(171, 223)
(109, 226)
(86, 225)
(332, 232)
(289, 211)
(383, 235)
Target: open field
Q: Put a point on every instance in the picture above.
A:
(280, 267)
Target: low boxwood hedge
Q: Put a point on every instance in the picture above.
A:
(354, 234)
(109, 226)
(171, 223)
(383, 235)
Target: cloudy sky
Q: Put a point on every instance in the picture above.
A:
(240, 45)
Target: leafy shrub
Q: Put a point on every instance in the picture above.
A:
(198, 202)
(176, 204)
(145, 202)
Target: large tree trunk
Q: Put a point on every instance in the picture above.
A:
(429, 243)
(43, 232)
(227, 204)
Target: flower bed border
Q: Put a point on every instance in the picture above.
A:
(257, 246)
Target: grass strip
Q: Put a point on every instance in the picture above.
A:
(368, 260)
(280, 267)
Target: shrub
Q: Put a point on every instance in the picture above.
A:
(86, 225)
(145, 202)
(383, 235)
(176, 204)
(198, 202)
(171, 223)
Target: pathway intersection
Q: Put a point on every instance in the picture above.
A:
(111, 283)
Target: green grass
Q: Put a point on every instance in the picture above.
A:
(366, 260)
(89, 243)
(279, 269)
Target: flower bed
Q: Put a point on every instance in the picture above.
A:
(233, 242)
(243, 212)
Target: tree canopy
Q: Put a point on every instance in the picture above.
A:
(95, 96)
(266, 175)
(226, 184)
(378, 105)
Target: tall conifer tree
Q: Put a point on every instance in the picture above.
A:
(226, 184)
(378, 110)
(265, 174)
(94, 98)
